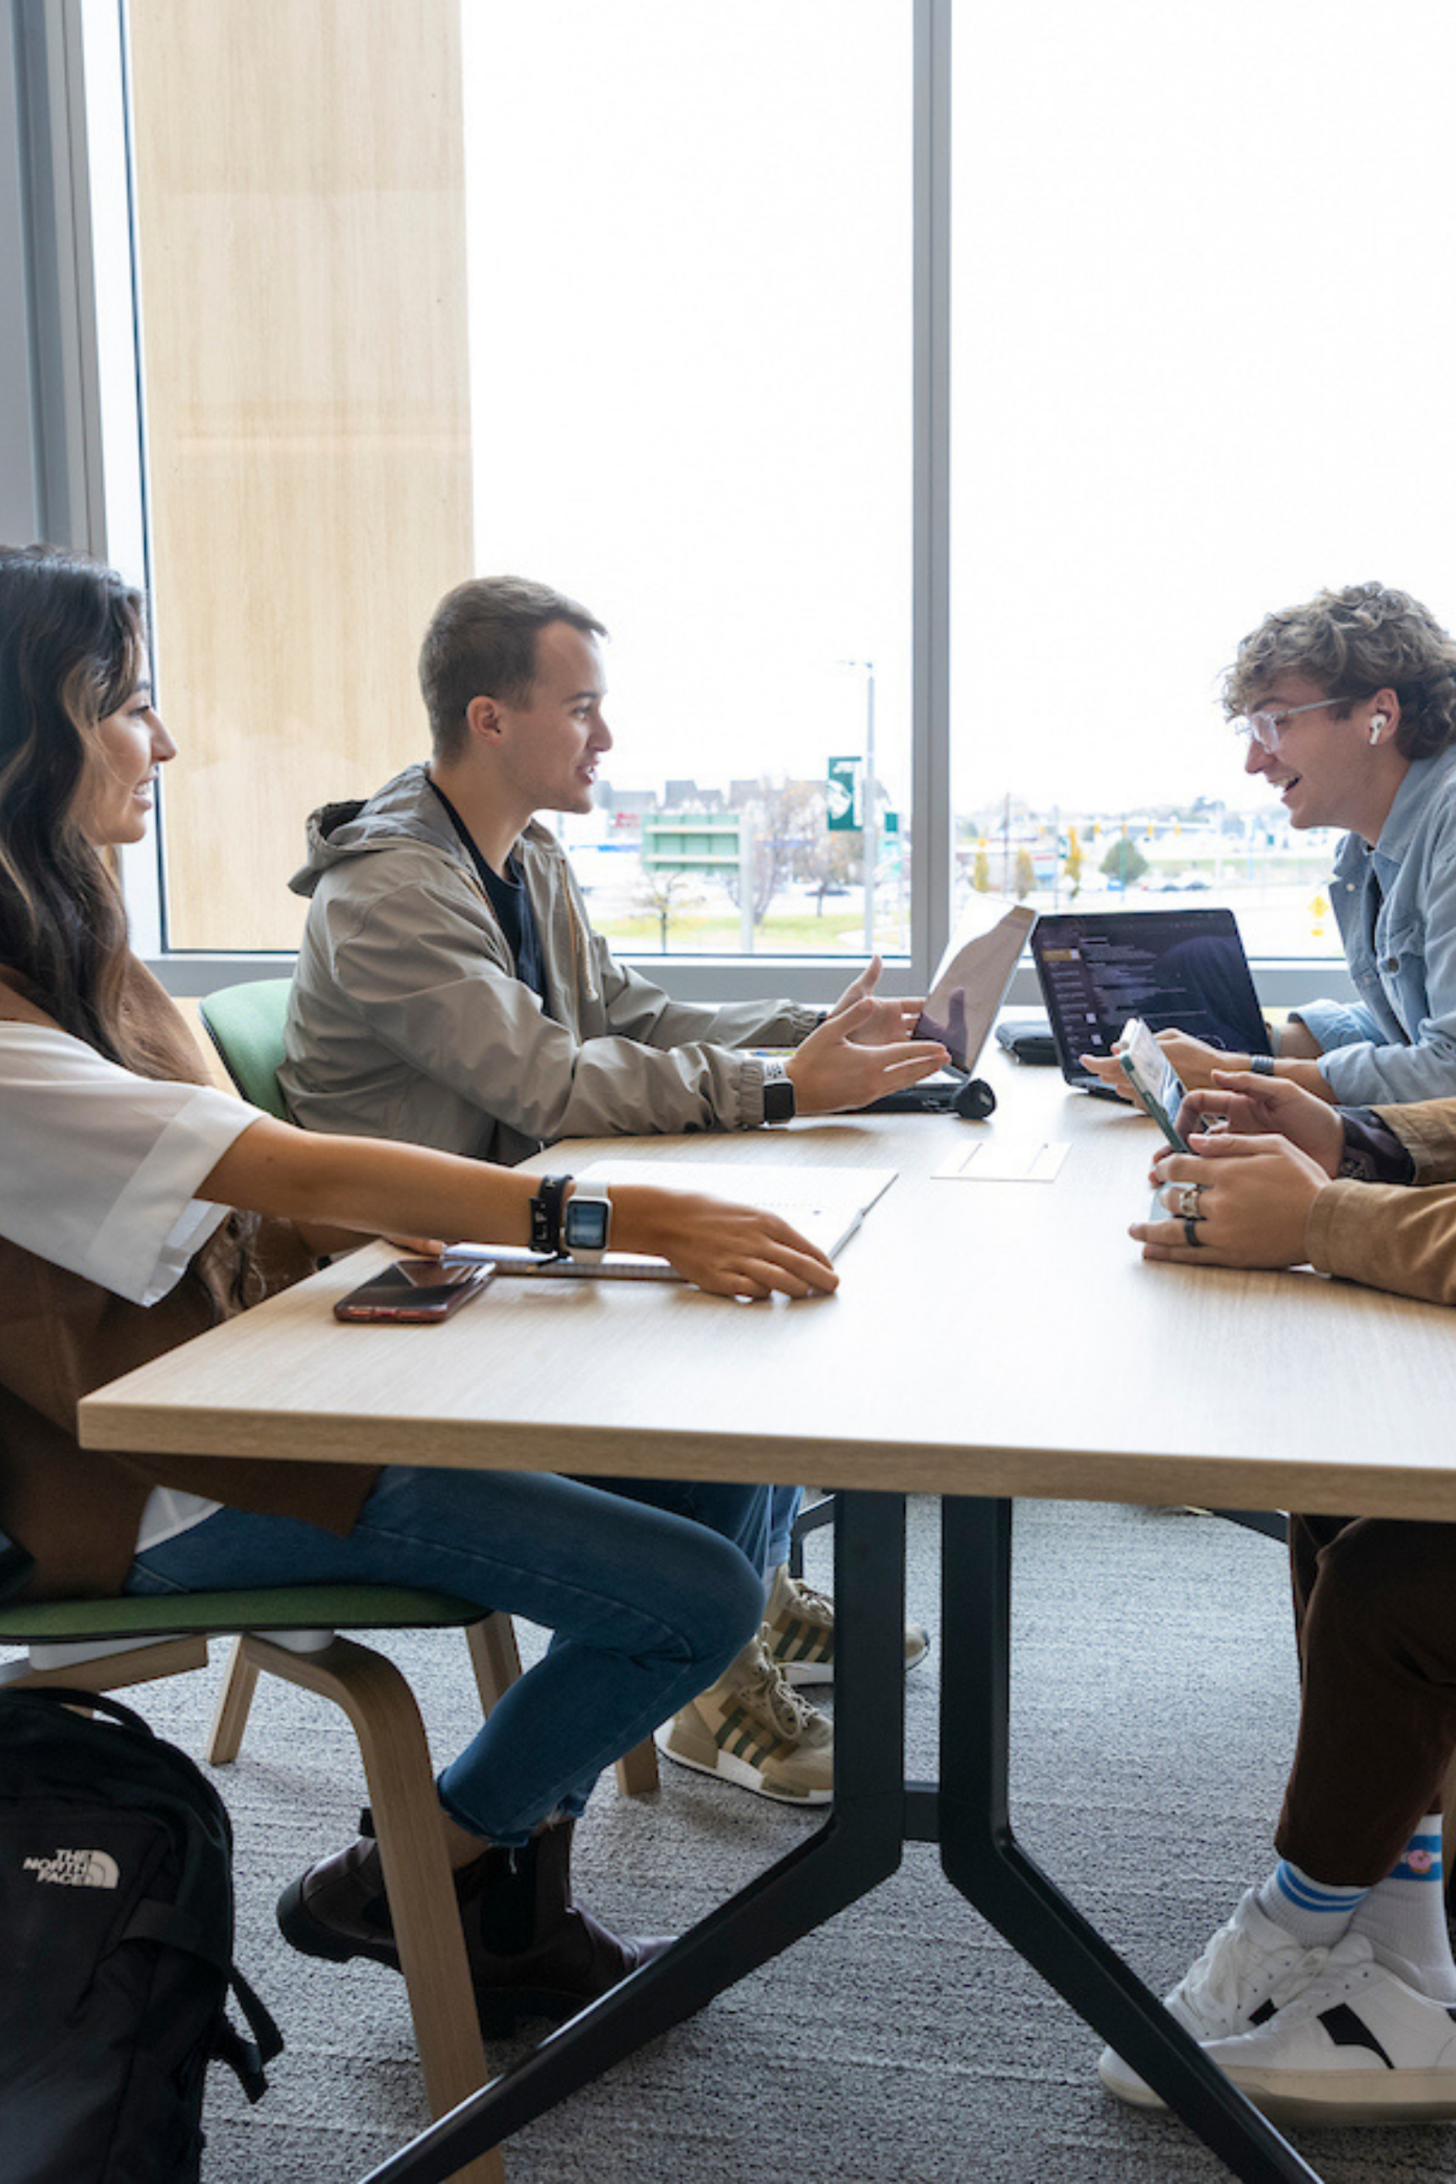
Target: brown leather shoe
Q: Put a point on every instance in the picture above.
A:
(532, 1951)
(338, 1909)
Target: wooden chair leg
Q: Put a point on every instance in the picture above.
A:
(637, 1770)
(230, 1717)
(386, 1720)
(494, 1656)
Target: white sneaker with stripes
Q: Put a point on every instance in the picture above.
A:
(1357, 2045)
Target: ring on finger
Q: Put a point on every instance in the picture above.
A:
(1190, 1233)
(1189, 1202)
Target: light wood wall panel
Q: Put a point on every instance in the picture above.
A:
(301, 218)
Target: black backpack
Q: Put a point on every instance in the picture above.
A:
(116, 1940)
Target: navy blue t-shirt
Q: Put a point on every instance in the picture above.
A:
(512, 905)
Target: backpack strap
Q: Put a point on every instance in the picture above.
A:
(96, 1702)
(170, 1928)
(245, 2058)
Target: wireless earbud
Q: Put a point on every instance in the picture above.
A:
(1377, 727)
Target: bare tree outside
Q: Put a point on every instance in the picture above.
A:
(792, 841)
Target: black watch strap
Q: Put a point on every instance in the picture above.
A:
(546, 1214)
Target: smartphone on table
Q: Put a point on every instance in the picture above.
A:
(1156, 1084)
(415, 1292)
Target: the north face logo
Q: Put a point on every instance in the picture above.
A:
(76, 1869)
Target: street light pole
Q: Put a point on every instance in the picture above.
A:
(871, 832)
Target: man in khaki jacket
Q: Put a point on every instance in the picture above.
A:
(450, 990)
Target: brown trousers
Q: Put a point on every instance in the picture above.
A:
(1375, 1613)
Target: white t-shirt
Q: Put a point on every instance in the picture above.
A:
(98, 1173)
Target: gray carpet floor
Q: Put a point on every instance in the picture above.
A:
(1153, 1713)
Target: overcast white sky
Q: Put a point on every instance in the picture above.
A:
(1202, 361)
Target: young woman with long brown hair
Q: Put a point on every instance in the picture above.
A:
(138, 1205)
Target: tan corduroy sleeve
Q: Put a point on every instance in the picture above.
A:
(1388, 1237)
(1427, 1130)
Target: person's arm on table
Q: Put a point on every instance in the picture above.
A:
(1262, 1202)
(472, 1026)
(1198, 1064)
(1253, 1197)
(1250, 1106)
(386, 1188)
(636, 1009)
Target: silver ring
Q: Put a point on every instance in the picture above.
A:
(1190, 1234)
(1190, 1201)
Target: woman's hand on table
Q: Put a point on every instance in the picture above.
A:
(729, 1250)
(1246, 1200)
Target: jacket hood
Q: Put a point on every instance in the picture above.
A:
(405, 810)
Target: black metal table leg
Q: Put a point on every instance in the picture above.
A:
(859, 1846)
(983, 1860)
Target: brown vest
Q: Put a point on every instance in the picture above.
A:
(75, 1510)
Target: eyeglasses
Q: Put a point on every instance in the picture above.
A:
(1265, 729)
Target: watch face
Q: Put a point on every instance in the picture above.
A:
(586, 1224)
(778, 1100)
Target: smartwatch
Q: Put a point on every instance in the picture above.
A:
(586, 1226)
(779, 1102)
(546, 1215)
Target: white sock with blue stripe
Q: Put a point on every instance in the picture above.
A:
(1404, 1917)
(1313, 1912)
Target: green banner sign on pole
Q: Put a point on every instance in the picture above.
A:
(844, 795)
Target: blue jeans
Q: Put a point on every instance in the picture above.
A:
(783, 1508)
(650, 1587)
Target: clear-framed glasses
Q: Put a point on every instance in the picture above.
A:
(1265, 729)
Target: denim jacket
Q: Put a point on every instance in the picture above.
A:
(1398, 1042)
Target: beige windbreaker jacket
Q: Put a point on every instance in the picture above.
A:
(407, 1019)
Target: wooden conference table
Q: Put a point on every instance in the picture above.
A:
(990, 1340)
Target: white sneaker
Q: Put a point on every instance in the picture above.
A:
(1357, 2046)
(1249, 1969)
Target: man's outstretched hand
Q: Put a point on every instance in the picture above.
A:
(892, 1020)
(844, 1064)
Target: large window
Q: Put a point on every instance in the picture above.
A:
(655, 301)
(1203, 354)
(637, 280)
(689, 232)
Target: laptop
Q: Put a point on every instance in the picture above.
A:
(1183, 968)
(969, 986)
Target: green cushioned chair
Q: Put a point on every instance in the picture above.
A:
(245, 1024)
